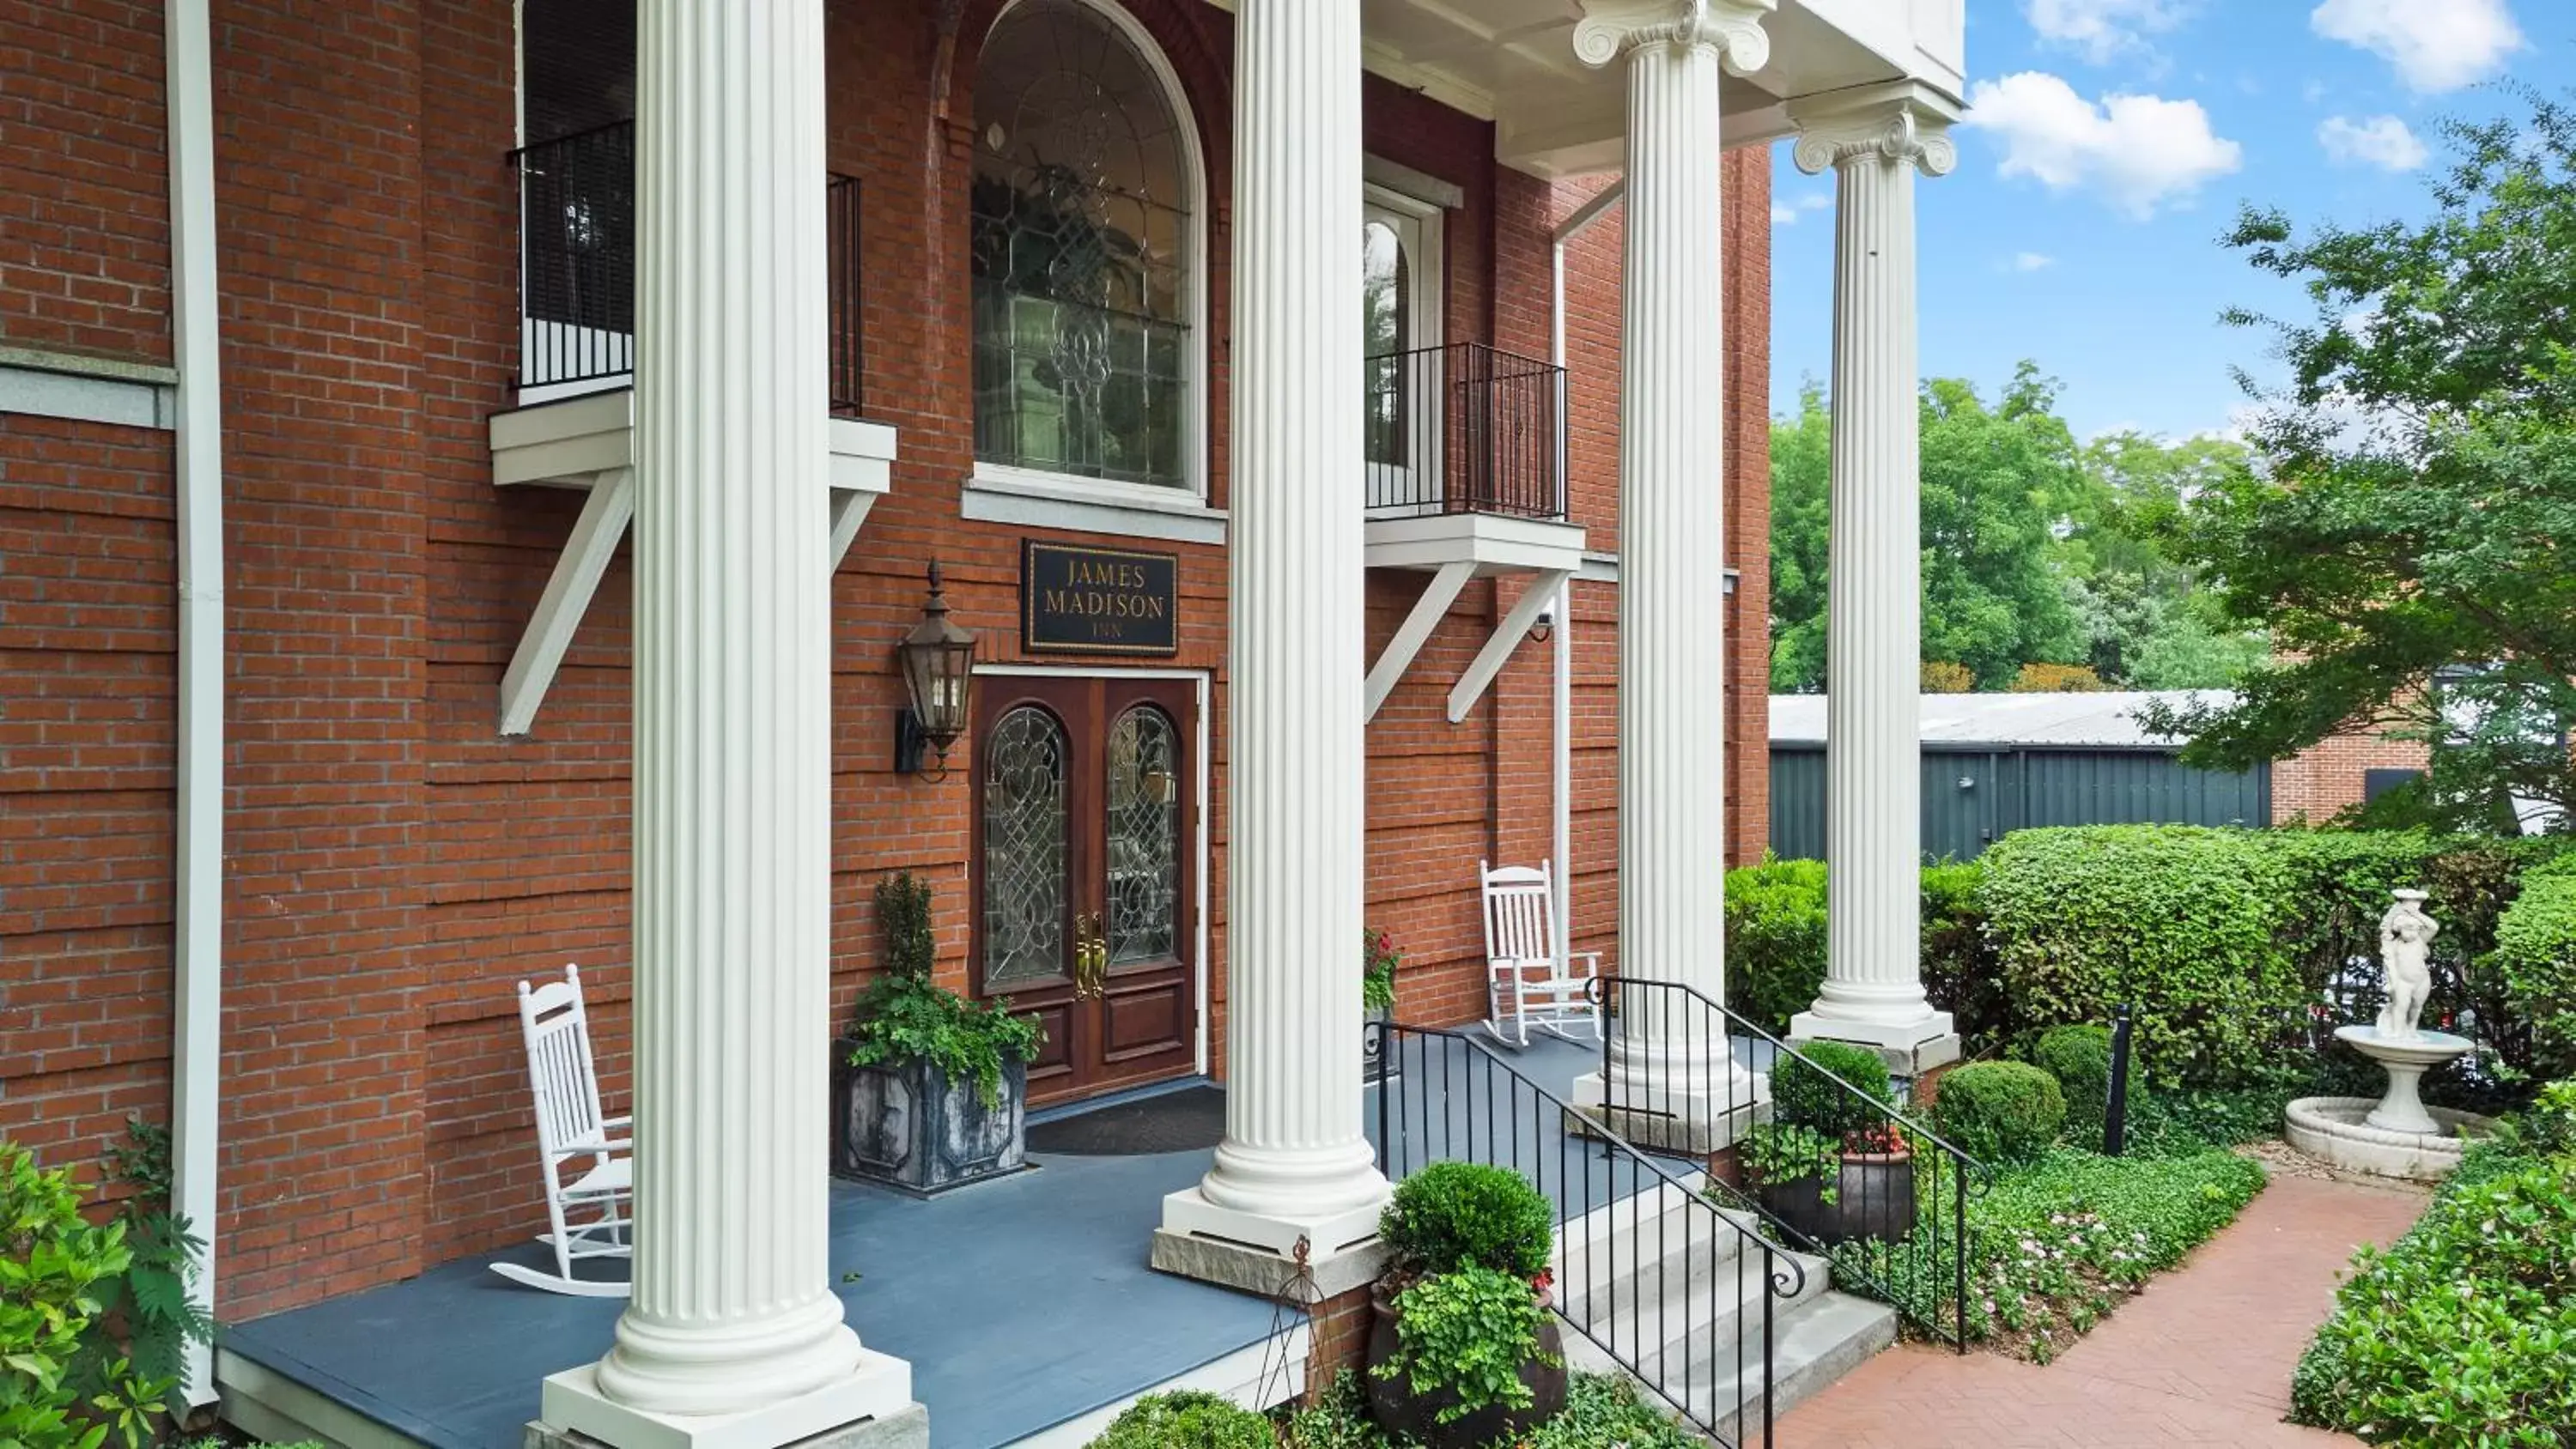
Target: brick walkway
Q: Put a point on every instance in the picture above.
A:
(2203, 1357)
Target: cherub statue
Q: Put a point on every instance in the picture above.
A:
(2405, 938)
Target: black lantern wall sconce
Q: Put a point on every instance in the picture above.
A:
(938, 661)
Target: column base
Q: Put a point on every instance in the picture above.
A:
(1692, 1121)
(872, 1407)
(1258, 1253)
(1910, 1048)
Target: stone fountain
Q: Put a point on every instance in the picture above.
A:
(2396, 1136)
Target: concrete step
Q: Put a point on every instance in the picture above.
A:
(1682, 1335)
(1817, 1336)
(1645, 1246)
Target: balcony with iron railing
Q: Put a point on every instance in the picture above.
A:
(1464, 428)
(577, 268)
(1463, 460)
(574, 426)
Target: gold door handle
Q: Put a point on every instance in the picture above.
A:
(1090, 957)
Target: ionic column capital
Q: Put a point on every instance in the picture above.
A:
(1733, 28)
(1901, 128)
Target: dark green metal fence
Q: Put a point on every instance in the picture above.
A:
(1974, 794)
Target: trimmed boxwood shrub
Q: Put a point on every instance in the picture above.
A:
(1454, 1215)
(1803, 1096)
(1999, 1111)
(2535, 952)
(1775, 940)
(2079, 1057)
(2184, 923)
(1187, 1419)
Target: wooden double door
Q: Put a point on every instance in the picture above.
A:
(1086, 867)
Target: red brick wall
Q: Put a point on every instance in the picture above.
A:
(320, 212)
(2325, 779)
(87, 584)
(393, 866)
(85, 211)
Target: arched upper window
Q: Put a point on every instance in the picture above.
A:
(1084, 252)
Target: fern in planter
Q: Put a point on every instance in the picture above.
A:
(904, 1016)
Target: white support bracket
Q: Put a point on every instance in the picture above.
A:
(584, 562)
(1437, 596)
(585, 558)
(849, 510)
(1507, 636)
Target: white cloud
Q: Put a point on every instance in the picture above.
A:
(1786, 213)
(2138, 152)
(2381, 141)
(2099, 30)
(2435, 47)
(2032, 261)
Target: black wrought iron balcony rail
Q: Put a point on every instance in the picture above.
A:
(577, 264)
(1464, 428)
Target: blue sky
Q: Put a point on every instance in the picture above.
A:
(2111, 143)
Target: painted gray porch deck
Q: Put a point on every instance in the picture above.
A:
(1021, 1304)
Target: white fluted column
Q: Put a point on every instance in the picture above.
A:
(733, 1338)
(1294, 1164)
(1873, 991)
(1670, 1060)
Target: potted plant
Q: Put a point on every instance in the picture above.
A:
(1462, 1350)
(1378, 960)
(930, 1090)
(1833, 1165)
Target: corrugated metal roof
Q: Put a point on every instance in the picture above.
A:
(2106, 719)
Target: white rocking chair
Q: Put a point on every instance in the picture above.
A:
(588, 1205)
(1529, 988)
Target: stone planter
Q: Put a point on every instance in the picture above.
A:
(1873, 1198)
(1411, 1417)
(911, 1127)
(1377, 1065)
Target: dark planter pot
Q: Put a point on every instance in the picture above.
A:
(1877, 1196)
(1406, 1415)
(1377, 1047)
(1873, 1198)
(911, 1127)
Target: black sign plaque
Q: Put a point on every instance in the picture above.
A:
(1098, 600)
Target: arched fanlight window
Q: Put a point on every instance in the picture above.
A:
(1082, 252)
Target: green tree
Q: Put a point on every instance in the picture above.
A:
(2405, 539)
(1995, 482)
(1800, 483)
(1994, 479)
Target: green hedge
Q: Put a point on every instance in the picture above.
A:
(2182, 922)
(2225, 942)
(2535, 952)
(1775, 940)
(2459, 1336)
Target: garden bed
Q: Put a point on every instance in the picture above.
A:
(2055, 1246)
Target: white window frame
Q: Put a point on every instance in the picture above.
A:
(1424, 223)
(1045, 497)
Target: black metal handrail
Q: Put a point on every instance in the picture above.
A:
(1899, 1226)
(1464, 428)
(577, 264)
(1444, 1096)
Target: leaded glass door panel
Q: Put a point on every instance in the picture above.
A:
(1086, 872)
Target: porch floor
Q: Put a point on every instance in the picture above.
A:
(1021, 1304)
